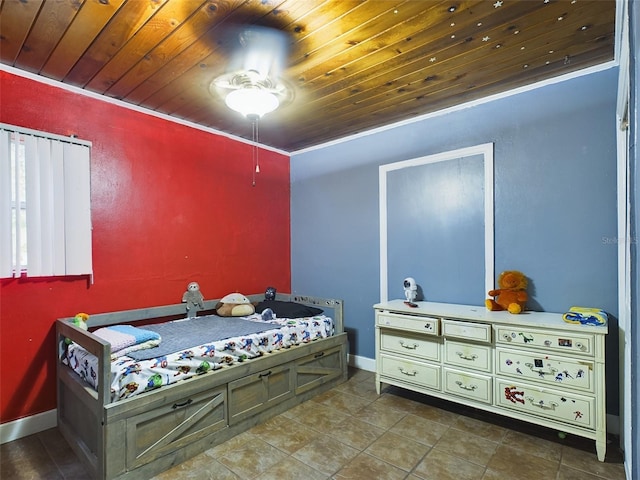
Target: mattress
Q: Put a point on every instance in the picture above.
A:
(154, 367)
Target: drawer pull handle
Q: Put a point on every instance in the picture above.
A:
(466, 387)
(579, 345)
(318, 355)
(428, 326)
(407, 373)
(464, 356)
(266, 374)
(507, 337)
(541, 371)
(542, 405)
(183, 404)
(407, 346)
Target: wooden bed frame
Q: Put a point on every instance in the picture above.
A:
(139, 437)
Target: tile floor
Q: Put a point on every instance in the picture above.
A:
(350, 432)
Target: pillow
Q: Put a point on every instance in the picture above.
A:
(234, 305)
(288, 309)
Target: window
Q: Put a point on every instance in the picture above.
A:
(45, 210)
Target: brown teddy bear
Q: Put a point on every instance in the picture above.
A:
(511, 295)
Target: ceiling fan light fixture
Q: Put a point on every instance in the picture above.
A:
(252, 101)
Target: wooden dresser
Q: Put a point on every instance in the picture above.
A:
(533, 366)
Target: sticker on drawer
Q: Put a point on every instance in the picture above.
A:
(542, 402)
(568, 372)
(559, 341)
(416, 323)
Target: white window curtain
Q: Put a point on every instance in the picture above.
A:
(54, 199)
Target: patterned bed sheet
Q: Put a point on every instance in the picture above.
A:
(131, 377)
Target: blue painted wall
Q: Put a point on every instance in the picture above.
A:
(555, 202)
(435, 230)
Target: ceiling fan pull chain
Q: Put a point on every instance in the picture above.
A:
(256, 161)
(257, 148)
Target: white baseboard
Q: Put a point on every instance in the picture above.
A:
(26, 426)
(363, 363)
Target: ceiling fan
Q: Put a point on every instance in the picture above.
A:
(253, 85)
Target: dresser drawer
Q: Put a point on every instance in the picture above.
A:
(479, 332)
(468, 355)
(408, 344)
(568, 372)
(562, 406)
(418, 373)
(422, 324)
(568, 342)
(468, 385)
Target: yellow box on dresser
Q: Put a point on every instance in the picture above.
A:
(533, 366)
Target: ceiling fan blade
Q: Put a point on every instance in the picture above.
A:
(260, 49)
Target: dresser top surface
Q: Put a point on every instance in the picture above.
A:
(481, 314)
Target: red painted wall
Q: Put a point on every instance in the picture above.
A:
(169, 204)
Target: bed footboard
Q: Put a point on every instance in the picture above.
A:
(147, 434)
(80, 409)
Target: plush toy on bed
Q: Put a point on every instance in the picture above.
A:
(511, 295)
(193, 298)
(80, 321)
(234, 305)
(270, 293)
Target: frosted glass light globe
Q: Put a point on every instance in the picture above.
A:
(252, 101)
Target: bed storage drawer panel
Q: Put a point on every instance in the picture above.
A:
(317, 369)
(255, 393)
(543, 402)
(408, 344)
(467, 385)
(468, 355)
(421, 324)
(568, 372)
(175, 424)
(418, 373)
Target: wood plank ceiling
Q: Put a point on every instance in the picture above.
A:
(352, 65)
